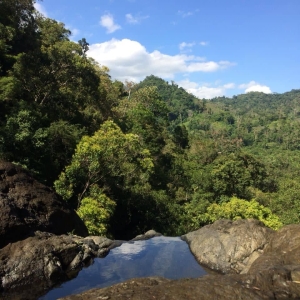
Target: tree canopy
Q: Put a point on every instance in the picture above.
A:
(134, 156)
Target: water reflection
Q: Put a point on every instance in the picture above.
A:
(168, 257)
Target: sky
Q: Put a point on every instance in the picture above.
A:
(210, 48)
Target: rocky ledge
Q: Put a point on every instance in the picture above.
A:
(29, 268)
(253, 266)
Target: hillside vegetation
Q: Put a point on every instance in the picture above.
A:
(130, 157)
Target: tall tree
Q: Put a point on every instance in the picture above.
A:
(113, 163)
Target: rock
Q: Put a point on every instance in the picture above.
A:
(146, 236)
(264, 285)
(27, 205)
(210, 287)
(229, 246)
(271, 284)
(283, 250)
(29, 268)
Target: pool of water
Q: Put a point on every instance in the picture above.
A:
(168, 257)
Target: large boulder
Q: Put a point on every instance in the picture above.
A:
(282, 251)
(29, 268)
(27, 205)
(229, 246)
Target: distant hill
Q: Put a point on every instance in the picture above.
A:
(180, 103)
(271, 120)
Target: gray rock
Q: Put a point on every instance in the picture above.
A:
(147, 235)
(229, 246)
(282, 251)
(212, 287)
(27, 206)
(268, 284)
(30, 267)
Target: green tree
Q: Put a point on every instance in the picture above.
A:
(145, 114)
(48, 98)
(241, 209)
(18, 29)
(96, 211)
(235, 173)
(110, 161)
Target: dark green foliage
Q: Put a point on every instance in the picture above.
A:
(47, 91)
(181, 104)
(181, 136)
(18, 31)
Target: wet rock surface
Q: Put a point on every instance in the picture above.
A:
(27, 206)
(30, 267)
(229, 246)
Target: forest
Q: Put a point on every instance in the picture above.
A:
(130, 157)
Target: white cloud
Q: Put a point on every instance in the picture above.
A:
(247, 85)
(209, 66)
(205, 90)
(229, 86)
(135, 19)
(130, 19)
(130, 249)
(184, 45)
(259, 88)
(107, 21)
(129, 59)
(185, 14)
(40, 8)
(253, 86)
(203, 43)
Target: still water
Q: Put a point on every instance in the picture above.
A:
(167, 257)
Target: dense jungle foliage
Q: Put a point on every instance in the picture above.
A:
(131, 157)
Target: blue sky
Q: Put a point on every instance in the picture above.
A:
(209, 47)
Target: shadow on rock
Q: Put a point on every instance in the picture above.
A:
(27, 206)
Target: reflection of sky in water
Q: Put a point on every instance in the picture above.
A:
(168, 257)
(129, 250)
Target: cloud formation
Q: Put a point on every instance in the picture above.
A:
(128, 59)
(203, 43)
(185, 14)
(107, 21)
(205, 91)
(253, 86)
(184, 45)
(135, 19)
